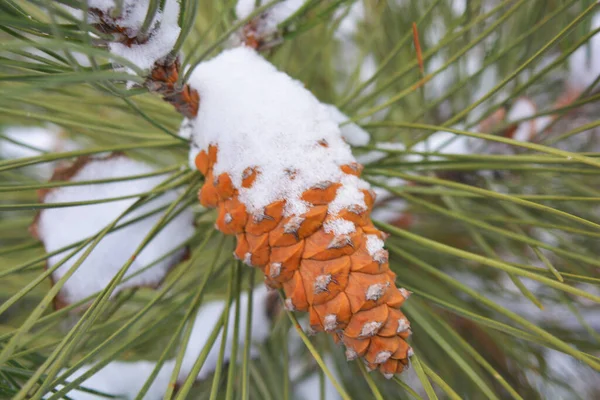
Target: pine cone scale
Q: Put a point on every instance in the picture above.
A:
(340, 276)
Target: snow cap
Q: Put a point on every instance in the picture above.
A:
(261, 118)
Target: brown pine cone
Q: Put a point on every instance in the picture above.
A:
(332, 266)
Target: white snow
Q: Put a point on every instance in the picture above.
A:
(526, 130)
(443, 143)
(163, 32)
(488, 79)
(59, 227)
(353, 15)
(391, 146)
(209, 315)
(374, 244)
(260, 117)
(349, 195)
(435, 32)
(522, 108)
(387, 208)
(43, 138)
(309, 388)
(368, 68)
(185, 131)
(571, 378)
(304, 371)
(390, 211)
(125, 379)
(541, 123)
(81, 58)
(584, 63)
(459, 7)
(273, 16)
(350, 54)
(373, 156)
(370, 157)
(438, 142)
(466, 66)
(352, 133)
(132, 15)
(443, 81)
(339, 227)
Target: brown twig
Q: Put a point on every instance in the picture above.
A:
(418, 48)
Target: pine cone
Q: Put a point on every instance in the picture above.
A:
(342, 280)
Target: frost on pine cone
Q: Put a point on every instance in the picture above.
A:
(286, 184)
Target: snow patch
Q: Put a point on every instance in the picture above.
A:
(570, 378)
(374, 244)
(207, 318)
(351, 16)
(63, 226)
(352, 133)
(368, 68)
(162, 34)
(584, 63)
(459, 7)
(390, 211)
(34, 141)
(349, 195)
(443, 143)
(267, 23)
(44, 139)
(339, 227)
(125, 379)
(374, 156)
(309, 387)
(522, 108)
(391, 146)
(186, 130)
(526, 130)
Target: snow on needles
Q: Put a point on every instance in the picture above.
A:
(374, 244)
(207, 318)
(261, 118)
(339, 227)
(309, 387)
(122, 379)
(352, 133)
(162, 34)
(584, 63)
(267, 23)
(63, 226)
(42, 139)
(125, 379)
(526, 130)
(32, 141)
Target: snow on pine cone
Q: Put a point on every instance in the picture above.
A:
(287, 185)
